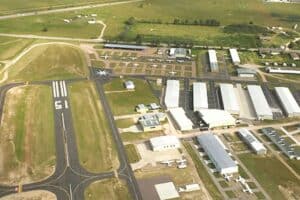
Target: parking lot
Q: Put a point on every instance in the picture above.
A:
(146, 62)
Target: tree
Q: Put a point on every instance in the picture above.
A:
(45, 29)
(131, 21)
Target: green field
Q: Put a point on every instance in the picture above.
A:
(123, 103)
(273, 176)
(9, 47)
(237, 11)
(55, 61)
(107, 189)
(96, 149)
(13, 6)
(27, 135)
(132, 153)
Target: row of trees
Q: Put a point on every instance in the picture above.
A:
(200, 22)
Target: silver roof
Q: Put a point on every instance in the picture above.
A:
(215, 151)
(172, 94)
(287, 100)
(229, 98)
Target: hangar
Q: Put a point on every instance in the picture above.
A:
(199, 96)
(217, 154)
(229, 99)
(213, 61)
(124, 46)
(234, 56)
(259, 102)
(172, 94)
(164, 142)
(181, 120)
(288, 101)
(215, 118)
(252, 141)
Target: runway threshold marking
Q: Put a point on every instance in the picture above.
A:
(71, 193)
(59, 89)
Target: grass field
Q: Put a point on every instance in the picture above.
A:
(27, 135)
(123, 103)
(46, 62)
(273, 176)
(9, 47)
(112, 189)
(132, 153)
(237, 11)
(96, 149)
(13, 6)
(203, 174)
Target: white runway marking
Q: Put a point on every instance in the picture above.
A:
(66, 104)
(58, 105)
(61, 88)
(54, 89)
(65, 88)
(57, 89)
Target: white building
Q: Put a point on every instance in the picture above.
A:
(164, 142)
(229, 99)
(213, 61)
(260, 103)
(166, 191)
(215, 118)
(288, 101)
(217, 154)
(172, 94)
(278, 70)
(252, 141)
(234, 56)
(181, 120)
(199, 96)
(129, 85)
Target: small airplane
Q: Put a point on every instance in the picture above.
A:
(154, 65)
(136, 64)
(227, 177)
(168, 162)
(133, 58)
(150, 59)
(105, 57)
(180, 61)
(102, 72)
(181, 161)
(173, 73)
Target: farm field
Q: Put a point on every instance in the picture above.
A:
(91, 128)
(47, 62)
(238, 11)
(123, 102)
(283, 185)
(27, 135)
(107, 189)
(13, 6)
(10, 47)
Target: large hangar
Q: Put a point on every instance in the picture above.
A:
(182, 121)
(200, 100)
(288, 101)
(172, 94)
(259, 102)
(215, 118)
(229, 99)
(213, 61)
(217, 154)
(234, 56)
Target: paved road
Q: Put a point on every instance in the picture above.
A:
(59, 10)
(125, 170)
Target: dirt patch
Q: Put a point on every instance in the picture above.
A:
(32, 195)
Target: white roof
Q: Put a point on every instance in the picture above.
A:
(234, 56)
(216, 118)
(282, 71)
(172, 94)
(249, 137)
(229, 98)
(129, 84)
(259, 101)
(166, 191)
(287, 99)
(181, 119)
(164, 141)
(199, 95)
(212, 54)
